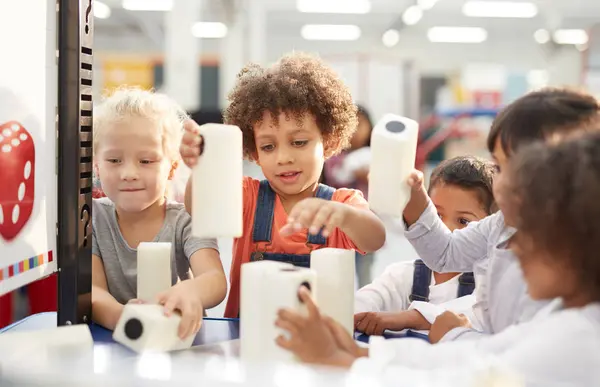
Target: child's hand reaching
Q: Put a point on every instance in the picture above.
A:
(316, 214)
(444, 323)
(183, 297)
(418, 198)
(375, 323)
(415, 180)
(191, 143)
(310, 337)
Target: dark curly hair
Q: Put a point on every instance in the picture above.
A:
(553, 193)
(540, 114)
(297, 84)
(470, 173)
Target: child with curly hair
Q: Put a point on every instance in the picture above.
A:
(551, 195)
(293, 116)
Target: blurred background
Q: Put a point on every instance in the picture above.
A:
(449, 64)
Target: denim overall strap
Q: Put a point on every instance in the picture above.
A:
(263, 216)
(466, 284)
(421, 282)
(323, 192)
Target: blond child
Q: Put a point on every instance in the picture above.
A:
(136, 138)
(293, 116)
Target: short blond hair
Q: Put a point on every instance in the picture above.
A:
(136, 102)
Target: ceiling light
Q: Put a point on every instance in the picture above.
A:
(101, 10)
(209, 30)
(330, 32)
(148, 5)
(426, 4)
(511, 9)
(542, 36)
(457, 35)
(412, 15)
(333, 6)
(570, 37)
(390, 38)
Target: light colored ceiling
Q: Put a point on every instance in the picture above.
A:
(283, 20)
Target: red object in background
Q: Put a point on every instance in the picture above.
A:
(43, 295)
(487, 99)
(5, 310)
(17, 158)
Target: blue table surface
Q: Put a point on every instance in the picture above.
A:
(214, 330)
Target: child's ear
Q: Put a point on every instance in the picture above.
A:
(174, 166)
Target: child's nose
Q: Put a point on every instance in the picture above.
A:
(129, 172)
(284, 157)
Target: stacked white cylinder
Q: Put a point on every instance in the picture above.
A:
(393, 152)
(267, 287)
(217, 202)
(334, 294)
(153, 269)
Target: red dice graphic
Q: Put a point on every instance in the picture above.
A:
(17, 177)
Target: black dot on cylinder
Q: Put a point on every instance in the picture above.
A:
(134, 329)
(395, 126)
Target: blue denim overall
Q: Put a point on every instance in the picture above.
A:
(422, 280)
(263, 226)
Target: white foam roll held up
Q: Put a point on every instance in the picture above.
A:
(335, 284)
(393, 151)
(266, 288)
(144, 327)
(153, 269)
(217, 203)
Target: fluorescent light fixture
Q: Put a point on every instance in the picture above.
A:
(390, 38)
(426, 4)
(570, 37)
(101, 10)
(148, 5)
(330, 32)
(508, 9)
(542, 36)
(457, 35)
(208, 30)
(333, 6)
(412, 15)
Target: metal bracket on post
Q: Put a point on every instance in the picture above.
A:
(75, 37)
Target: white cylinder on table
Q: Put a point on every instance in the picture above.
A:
(335, 269)
(217, 203)
(393, 152)
(266, 288)
(153, 269)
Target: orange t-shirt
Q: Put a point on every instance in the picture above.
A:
(244, 246)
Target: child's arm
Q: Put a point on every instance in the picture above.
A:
(441, 249)
(209, 278)
(106, 310)
(363, 227)
(388, 292)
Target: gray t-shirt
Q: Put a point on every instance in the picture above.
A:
(120, 260)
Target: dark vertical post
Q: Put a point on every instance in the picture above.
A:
(75, 28)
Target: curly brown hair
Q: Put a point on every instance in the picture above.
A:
(553, 193)
(297, 84)
(541, 114)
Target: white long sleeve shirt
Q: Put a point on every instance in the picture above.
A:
(390, 292)
(559, 347)
(502, 298)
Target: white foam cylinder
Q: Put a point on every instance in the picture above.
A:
(70, 337)
(335, 284)
(144, 327)
(153, 269)
(266, 288)
(393, 152)
(217, 203)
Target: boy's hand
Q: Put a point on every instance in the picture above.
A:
(191, 143)
(375, 323)
(343, 340)
(183, 297)
(310, 337)
(415, 180)
(418, 198)
(316, 214)
(444, 323)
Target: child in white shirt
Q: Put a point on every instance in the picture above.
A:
(136, 150)
(550, 194)
(461, 190)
